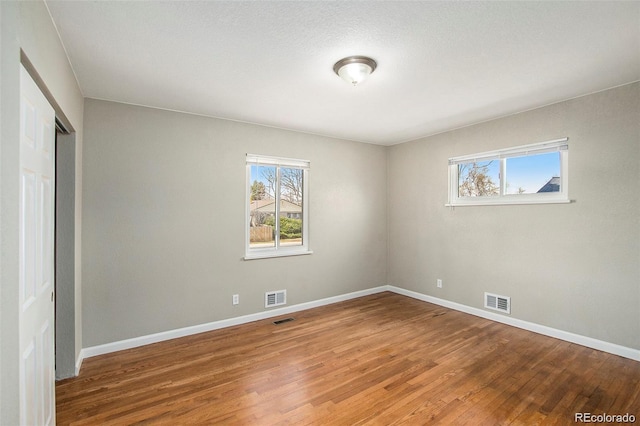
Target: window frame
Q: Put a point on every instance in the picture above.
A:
(562, 196)
(277, 250)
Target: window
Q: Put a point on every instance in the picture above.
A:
(529, 174)
(277, 219)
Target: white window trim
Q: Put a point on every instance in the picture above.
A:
(557, 145)
(277, 251)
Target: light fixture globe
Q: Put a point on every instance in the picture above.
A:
(355, 69)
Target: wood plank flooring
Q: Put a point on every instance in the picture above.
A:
(382, 359)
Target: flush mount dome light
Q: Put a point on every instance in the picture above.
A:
(355, 69)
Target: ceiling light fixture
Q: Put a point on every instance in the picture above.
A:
(355, 69)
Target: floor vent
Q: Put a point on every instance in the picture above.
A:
(275, 298)
(282, 321)
(497, 303)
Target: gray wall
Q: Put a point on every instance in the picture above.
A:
(164, 224)
(163, 229)
(28, 26)
(573, 267)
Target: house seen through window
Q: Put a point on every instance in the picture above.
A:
(277, 221)
(535, 173)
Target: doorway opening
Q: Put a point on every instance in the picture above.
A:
(65, 288)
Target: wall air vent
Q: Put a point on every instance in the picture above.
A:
(497, 303)
(275, 298)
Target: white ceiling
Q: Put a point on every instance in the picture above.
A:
(441, 65)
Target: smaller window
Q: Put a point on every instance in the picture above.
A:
(277, 219)
(529, 174)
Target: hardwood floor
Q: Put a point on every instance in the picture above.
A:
(381, 359)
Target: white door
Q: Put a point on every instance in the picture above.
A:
(37, 136)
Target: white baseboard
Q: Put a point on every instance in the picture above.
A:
(589, 342)
(187, 331)
(201, 328)
(79, 361)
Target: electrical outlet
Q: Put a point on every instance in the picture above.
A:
(236, 299)
(439, 283)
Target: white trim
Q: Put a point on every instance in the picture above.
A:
(516, 151)
(277, 161)
(188, 331)
(81, 357)
(589, 342)
(266, 254)
(502, 202)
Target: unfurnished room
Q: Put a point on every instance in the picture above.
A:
(319, 212)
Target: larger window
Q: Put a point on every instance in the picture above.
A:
(277, 219)
(529, 174)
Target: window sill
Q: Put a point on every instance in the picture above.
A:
(506, 203)
(273, 253)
